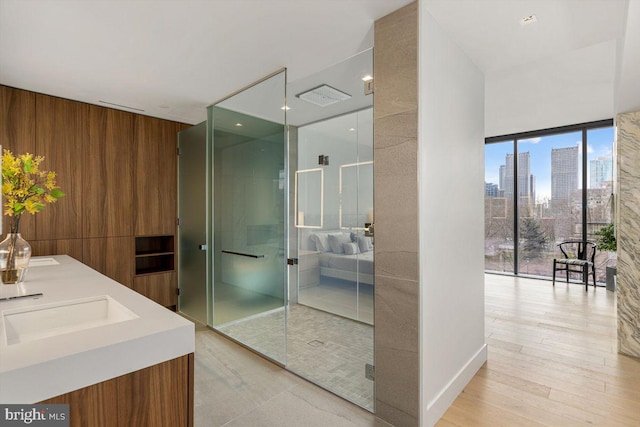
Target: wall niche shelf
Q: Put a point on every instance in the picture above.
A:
(154, 254)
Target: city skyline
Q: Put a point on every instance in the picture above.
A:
(599, 146)
(601, 172)
(564, 172)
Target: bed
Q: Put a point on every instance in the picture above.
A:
(342, 255)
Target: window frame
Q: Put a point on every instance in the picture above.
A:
(583, 128)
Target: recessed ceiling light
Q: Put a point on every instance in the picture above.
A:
(239, 124)
(528, 19)
(367, 78)
(323, 95)
(285, 108)
(352, 130)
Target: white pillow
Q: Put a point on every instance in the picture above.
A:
(337, 240)
(351, 249)
(364, 244)
(321, 241)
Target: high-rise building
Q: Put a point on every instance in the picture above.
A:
(600, 172)
(532, 187)
(564, 172)
(490, 189)
(526, 181)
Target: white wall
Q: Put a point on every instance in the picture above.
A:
(628, 83)
(451, 212)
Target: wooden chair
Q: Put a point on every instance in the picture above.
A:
(579, 257)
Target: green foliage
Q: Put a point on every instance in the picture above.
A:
(26, 188)
(533, 239)
(606, 240)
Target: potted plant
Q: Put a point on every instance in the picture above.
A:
(606, 241)
(25, 188)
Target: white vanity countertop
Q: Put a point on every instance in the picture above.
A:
(38, 369)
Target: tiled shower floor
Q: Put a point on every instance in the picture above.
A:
(328, 350)
(341, 297)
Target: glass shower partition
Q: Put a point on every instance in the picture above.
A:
(292, 215)
(330, 320)
(249, 216)
(192, 211)
(334, 213)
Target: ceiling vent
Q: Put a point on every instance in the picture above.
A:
(121, 106)
(323, 95)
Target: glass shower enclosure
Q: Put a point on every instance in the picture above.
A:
(331, 308)
(290, 245)
(249, 152)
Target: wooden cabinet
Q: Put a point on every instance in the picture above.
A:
(160, 287)
(111, 256)
(71, 247)
(154, 254)
(61, 132)
(107, 174)
(157, 396)
(118, 171)
(18, 134)
(96, 405)
(17, 115)
(155, 277)
(155, 204)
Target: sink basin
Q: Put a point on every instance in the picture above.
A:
(48, 320)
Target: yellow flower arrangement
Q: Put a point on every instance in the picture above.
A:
(25, 187)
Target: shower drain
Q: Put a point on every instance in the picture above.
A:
(315, 343)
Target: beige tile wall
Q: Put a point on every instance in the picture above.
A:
(628, 228)
(396, 217)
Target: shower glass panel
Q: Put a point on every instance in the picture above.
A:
(192, 211)
(249, 151)
(330, 323)
(337, 237)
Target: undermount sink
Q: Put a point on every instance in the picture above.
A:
(48, 320)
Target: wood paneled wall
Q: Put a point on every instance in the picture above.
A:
(155, 153)
(117, 169)
(62, 127)
(107, 170)
(18, 133)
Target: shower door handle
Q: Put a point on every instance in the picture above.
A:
(242, 254)
(202, 247)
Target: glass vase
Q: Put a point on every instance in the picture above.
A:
(15, 253)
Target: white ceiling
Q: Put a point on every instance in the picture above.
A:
(491, 33)
(172, 58)
(560, 70)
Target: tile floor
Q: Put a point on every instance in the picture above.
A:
(341, 297)
(327, 349)
(237, 388)
(233, 303)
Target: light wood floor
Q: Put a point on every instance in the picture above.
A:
(552, 360)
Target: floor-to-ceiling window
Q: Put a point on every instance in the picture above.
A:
(542, 188)
(498, 207)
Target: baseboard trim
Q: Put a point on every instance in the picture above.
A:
(439, 405)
